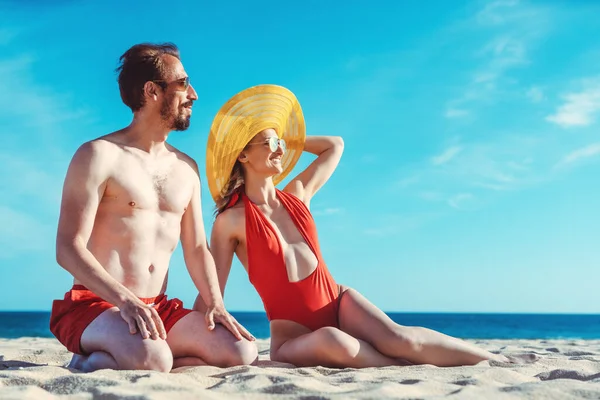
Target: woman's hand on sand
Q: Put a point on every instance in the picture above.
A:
(218, 314)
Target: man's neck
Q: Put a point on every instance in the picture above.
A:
(147, 134)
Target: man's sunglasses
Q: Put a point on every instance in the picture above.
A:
(183, 83)
(274, 142)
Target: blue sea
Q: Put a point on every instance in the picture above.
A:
(466, 326)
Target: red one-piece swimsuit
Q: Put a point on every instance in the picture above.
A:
(313, 301)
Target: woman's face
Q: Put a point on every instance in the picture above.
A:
(263, 154)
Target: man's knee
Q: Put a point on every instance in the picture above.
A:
(240, 352)
(149, 355)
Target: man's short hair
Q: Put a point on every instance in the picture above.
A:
(142, 63)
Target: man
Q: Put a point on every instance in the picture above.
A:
(128, 198)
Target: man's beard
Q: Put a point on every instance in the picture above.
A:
(179, 121)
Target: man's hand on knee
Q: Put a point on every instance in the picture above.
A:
(143, 317)
(219, 314)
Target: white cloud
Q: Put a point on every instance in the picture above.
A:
(506, 51)
(461, 200)
(456, 113)
(33, 158)
(492, 186)
(46, 104)
(522, 165)
(431, 196)
(446, 156)
(579, 108)
(499, 54)
(484, 76)
(34, 174)
(494, 13)
(328, 211)
(505, 163)
(21, 233)
(508, 29)
(408, 181)
(589, 151)
(29, 178)
(396, 224)
(535, 94)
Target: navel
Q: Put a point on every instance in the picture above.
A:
(151, 268)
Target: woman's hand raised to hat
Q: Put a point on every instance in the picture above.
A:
(328, 150)
(218, 314)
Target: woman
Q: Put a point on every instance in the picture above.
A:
(255, 140)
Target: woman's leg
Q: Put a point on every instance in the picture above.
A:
(361, 319)
(330, 347)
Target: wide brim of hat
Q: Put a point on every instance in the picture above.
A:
(241, 118)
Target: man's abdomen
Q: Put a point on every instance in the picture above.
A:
(136, 249)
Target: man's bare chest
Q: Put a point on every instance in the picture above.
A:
(161, 186)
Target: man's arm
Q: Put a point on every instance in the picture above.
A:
(201, 266)
(83, 189)
(222, 248)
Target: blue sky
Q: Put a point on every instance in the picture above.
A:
(469, 179)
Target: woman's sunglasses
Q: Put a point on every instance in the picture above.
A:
(274, 142)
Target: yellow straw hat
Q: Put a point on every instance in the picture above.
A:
(241, 118)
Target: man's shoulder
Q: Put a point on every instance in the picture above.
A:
(100, 150)
(99, 145)
(183, 157)
(178, 152)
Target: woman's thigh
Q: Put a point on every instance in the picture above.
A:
(330, 347)
(363, 320)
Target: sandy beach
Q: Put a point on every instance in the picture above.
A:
(34, 368)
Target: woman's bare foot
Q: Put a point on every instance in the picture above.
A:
(526, 358)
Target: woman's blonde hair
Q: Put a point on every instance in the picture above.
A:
(231, 188)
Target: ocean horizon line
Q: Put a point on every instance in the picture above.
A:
(480, 325)
(393, 312)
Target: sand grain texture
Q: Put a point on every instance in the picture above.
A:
(33, 368)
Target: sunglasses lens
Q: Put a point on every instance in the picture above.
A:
(273, 143)
(282, 144)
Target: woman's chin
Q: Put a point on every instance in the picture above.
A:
(276, 169)
(271, 171)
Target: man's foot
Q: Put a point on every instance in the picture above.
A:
(77, 362)
(95, 361)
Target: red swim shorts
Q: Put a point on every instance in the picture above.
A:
(80, 307)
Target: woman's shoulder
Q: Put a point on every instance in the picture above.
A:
(232, 213)
(292, 197)
(289, 194)
(227, 221)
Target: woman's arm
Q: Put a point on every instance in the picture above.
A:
(223, 244)
(329, 151)
(222, 248)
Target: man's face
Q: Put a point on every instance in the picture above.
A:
(179, 95)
